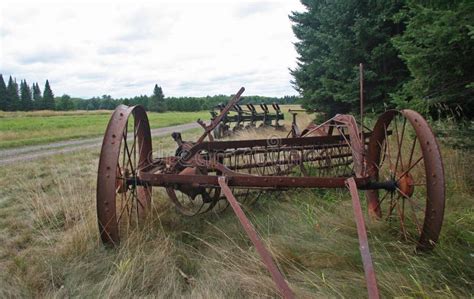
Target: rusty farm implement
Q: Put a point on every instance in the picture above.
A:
(397, 164)
(241, 117)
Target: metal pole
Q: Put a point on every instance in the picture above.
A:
(370, 279)
(361, 78)
(278, 278)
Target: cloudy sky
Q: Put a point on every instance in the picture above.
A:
(122, 48)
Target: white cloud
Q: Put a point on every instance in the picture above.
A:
(123, 48)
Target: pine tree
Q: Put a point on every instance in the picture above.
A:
(157, 101)
(26, 103)
(3, 94)
(37, 98)
(48, 97)
(13, 96)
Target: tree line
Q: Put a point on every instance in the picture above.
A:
(22, 97)
(159, 103)
(416, 53)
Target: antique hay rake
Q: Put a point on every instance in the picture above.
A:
(398, 165)
(245, 118)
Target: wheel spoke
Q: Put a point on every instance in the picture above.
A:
(134, 147)
(410, 168)
(412, 206)
(127, 152)
(400, 143)
(380, 166)
(387, 144)
(392, 206)
(123, 157)
(402, 221)
(417, 223)
(408, 197)
(127, 199)
(412, 150)
(381, 200)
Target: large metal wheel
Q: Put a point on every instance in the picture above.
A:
(208, 199)
(404, 155)
(122, 203)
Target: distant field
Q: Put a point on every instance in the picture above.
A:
(41, 127)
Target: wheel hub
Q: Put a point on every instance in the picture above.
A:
(406, 185)
(121, 181)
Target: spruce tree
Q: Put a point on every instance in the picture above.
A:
(333, 38)
(37, 98)
(3, 94)
(157, 101)
(26, 103)
(48, 97)
(13, 96)
(438, 48)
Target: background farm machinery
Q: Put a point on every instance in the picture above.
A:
(397, 164)
(247, 116)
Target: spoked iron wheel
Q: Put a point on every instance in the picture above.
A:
(403, 154)
(122, 202)
(194, 204)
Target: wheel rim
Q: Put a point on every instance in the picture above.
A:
(403, 150)
(122, 203)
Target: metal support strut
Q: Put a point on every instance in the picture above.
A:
(278, 278)
(363, 242)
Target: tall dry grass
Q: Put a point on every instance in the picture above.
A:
(50, 245)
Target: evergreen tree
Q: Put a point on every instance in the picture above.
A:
(37, 98)
(438, 48)
(334, 37)
(3, 94)
(13, 96)
(157, 101)
(26, 103)
(48, 97)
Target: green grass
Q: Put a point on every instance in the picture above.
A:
(21, 129)
(40, 127)
(49, 243)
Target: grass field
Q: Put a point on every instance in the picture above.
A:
(49, 243)
(20, 129)
(40, 127)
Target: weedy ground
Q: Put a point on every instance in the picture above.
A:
(49, 243)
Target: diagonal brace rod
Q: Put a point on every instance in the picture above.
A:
(280, 282)
(370, 279)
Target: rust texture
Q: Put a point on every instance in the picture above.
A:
(398, 164)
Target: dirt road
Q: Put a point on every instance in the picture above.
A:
(8, 156)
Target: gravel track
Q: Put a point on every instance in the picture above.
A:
(8, 156)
